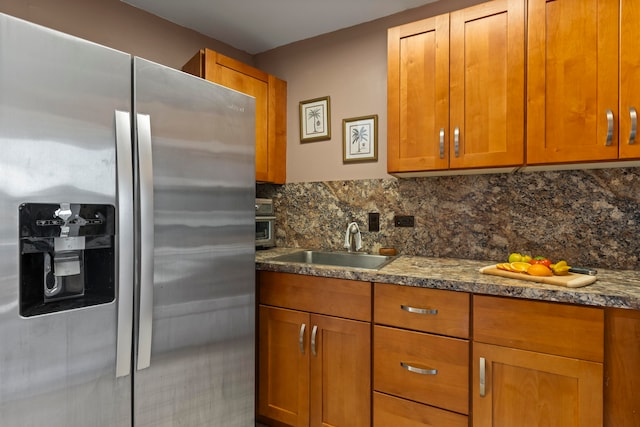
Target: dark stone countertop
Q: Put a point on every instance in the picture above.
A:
(614, 288)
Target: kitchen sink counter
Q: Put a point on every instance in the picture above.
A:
(614, 288)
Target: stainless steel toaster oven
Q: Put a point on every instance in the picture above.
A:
(265, 224)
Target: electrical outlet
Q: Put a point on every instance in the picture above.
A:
(374, 221)
(404, 221)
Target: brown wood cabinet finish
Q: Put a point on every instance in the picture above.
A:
(582, 80)
(564, 330)
(271, 101)
(530, 389)
(424, 374)
(428, 310)
(314, 369)
(622, 368)
(439, 114)
(395, 412)
(629, 147)
(426, 368)
(536, 361)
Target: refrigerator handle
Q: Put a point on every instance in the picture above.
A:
(125, 243)
(145, 167)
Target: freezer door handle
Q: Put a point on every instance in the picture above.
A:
(145, 168)
(125, 243)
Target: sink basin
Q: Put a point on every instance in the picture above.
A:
(338, 259)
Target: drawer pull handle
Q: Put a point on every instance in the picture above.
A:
(314, 332)
(633, 115)
(301, 338)
(417, 370)
(418, 310)
(609, 127)
(482, 376)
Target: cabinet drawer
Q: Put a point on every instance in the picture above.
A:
(426, 368)
(393, 411)
(428, 310)
(564, 330)
(334, 297)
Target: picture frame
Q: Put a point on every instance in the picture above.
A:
(360, 139)
(315, 119)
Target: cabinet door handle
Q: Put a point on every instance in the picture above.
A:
(633, 114)
(609, 127)
(301, 338)
(456, 141)
(314, 332)
(418, 310)
(442, 143)
(482, 376)
(417, 370)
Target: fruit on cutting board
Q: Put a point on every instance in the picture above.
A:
(560, 268)
(519, 263)
(539, 270)
(541, 260)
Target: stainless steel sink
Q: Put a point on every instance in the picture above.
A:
(338, 259)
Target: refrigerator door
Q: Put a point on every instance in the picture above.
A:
(196, 342)
(58, 101)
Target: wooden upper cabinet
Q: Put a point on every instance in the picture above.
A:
(487, 85)
(572, 80)
(418, 95)
(629, 79)
(271, 99)
(456, 90)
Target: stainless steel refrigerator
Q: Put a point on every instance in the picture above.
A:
(127, 229)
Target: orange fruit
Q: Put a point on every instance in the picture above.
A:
(539, 270)
(520, 267)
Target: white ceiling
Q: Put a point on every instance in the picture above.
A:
(259, 25)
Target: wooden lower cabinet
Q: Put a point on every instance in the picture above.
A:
(421, 357)
(622, 368)
(513, 387)
(536, 363)
(313, 369)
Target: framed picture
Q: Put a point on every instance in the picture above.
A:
(315, 119)
(360, 139)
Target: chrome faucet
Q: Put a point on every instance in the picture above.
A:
(353, 238)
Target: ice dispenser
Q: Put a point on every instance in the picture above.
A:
(67, 256)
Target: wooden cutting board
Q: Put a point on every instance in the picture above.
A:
(571, 280)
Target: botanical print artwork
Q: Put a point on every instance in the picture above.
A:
(359, 139)
(360, 142)
(315, 120)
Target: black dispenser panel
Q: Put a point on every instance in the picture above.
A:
(67, 256)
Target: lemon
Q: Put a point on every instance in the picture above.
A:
(515, 257)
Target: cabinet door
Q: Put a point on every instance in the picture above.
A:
(487, 85)
(418, 96)
(622, 368)
(529, 389)
(232, 77)
(340, 353)
(283, 382)
(629, 79)
(572, 80)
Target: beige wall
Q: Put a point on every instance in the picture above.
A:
(350, 66)
(120, 26)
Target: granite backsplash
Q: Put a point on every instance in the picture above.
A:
(588, 217)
